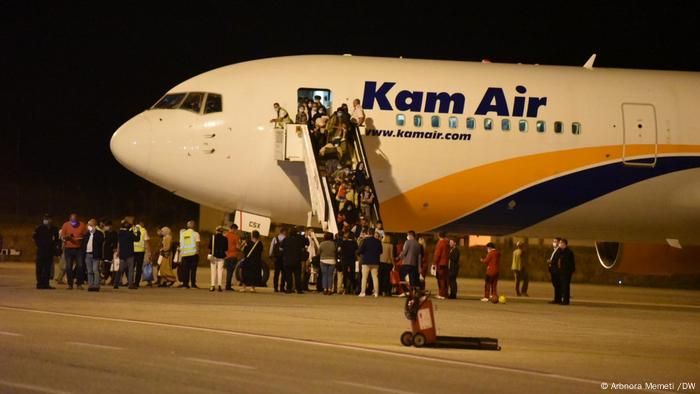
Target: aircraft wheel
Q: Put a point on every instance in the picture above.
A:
(407, 338)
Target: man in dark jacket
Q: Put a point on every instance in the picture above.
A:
(48, 245)
(554, 271)
(277, 257)
(108, 248)
(370, 251)
(348, 255)
(567, 266)
(453, 267)
(91, 246)
(126, 254)
(293, 253)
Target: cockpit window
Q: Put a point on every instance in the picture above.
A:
(193, 102)
(170, 101)
(213, 103)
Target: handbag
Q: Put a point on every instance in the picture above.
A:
(210, 256)
(115, 262)
(433, 270)
(395, 277)
(245, 263)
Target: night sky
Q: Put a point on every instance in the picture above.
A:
(72, 74)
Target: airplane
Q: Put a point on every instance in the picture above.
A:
(465, 147)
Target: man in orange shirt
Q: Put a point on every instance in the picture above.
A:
(72, 233)
(233, 254)
(441, 259)
(491, 260)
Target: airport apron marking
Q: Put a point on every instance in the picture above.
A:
(314, 343)
(32, 387)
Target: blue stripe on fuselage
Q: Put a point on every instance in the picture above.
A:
(547, 199)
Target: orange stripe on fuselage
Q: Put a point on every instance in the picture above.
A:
(446, 199)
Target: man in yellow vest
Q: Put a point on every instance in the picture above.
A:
(189, 253)
(282, 118)
(140, 249)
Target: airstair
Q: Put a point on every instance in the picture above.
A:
(293, 143)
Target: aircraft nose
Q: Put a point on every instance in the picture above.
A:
(131, 144)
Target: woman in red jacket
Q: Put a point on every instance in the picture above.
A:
(491, 261)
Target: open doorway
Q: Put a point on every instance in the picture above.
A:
(311, 93)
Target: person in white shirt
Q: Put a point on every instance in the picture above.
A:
(308, 269)
(358, 114)
(91, 246)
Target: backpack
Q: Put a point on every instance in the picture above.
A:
(276, 247)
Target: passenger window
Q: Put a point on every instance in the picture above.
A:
(417, 120)
(435, 121)
(170, 101)
(213, 103)
(557, 127)
(505, 124)
(471, 123)
(522, 126)
(193, 102)
(400, 119)
(452, 122)
(488, 124)
(541, 126)
(576, 128)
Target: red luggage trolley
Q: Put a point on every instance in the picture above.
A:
(419, 311)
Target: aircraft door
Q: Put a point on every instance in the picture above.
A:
(639, 143)
(311, 93)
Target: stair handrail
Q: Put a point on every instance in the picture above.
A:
(362, 158)
(314, 178)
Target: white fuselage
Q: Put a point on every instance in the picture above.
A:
(478, 181)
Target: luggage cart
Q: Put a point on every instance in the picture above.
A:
(420, 312)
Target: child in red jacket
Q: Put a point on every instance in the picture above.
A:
(491, 261)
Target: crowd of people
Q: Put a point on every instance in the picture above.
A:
(332, 129)
(332, 138)
(97, 254)
(362, 260)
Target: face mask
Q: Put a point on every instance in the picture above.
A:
(74, 223)
(46, 222)
(90, 228)
(107, 228)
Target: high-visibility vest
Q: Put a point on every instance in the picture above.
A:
(140, 245)
(188, 246)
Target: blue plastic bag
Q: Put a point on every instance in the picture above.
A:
(148, 272)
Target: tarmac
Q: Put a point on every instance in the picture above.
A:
(167, 340)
